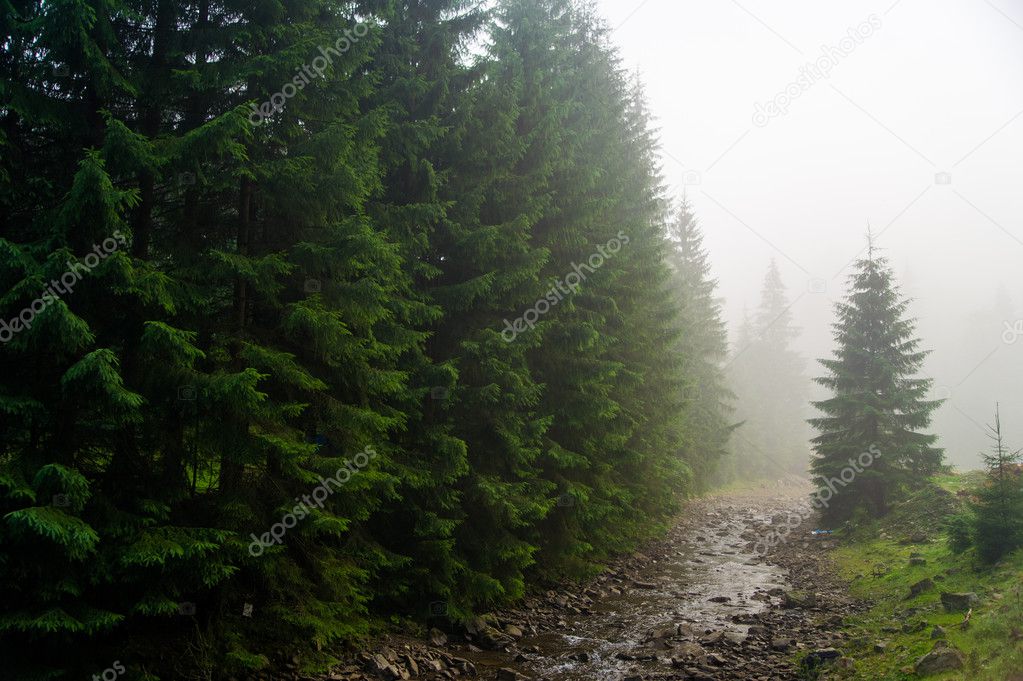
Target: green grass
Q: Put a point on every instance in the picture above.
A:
(874, 558)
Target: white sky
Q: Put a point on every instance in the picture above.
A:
(938, 87)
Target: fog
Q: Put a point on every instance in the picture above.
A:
(916, 130)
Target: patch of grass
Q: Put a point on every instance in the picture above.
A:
(875, 561)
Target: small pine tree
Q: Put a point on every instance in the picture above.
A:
(998, 524)
(877, 404)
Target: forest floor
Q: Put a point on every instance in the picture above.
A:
(700, 603)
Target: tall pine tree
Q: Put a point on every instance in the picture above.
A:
(877, 404)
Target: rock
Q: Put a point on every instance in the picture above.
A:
(958, 602)
(920, 587)
(880, 647)
(438, 637)
(914, 562)
(716, 660)
(513, 631)
(662, 632)
(819, 657)
(781, 644)
(798, 599)
(643, 585)
(719, 599)
(938, 632)
(506, 674)
(938, 661)
(690, 650)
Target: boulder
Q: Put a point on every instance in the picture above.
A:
(513, 631)
(938, 661)
(438, 637)
(959, 602)
(920, 587)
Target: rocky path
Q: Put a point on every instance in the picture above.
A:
(698, 604)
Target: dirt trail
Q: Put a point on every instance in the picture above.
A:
(698, 604)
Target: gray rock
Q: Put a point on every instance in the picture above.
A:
(920, 587)
(938, 632)
(820, 657)
(938, 661)
(959, 602)
(781, 644)
(438, 637)
(798, 599)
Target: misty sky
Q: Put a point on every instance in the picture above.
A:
(920, 88)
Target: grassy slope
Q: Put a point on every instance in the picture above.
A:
(875, 559)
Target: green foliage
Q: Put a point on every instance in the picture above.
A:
(274, 293)
(998, 511)
(876, 563)
(870, 451)
(960, 528)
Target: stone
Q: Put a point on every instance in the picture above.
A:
(914, 562)
(798, 599)
(506, 674)
(938, 661)
(818, 658)
(690, 650)
(438, 637)
(923, 586)
(938, 632)
(662, 632)
(719, 599)
(513, 631)
(716, 660)
(781, 644)
(959, 602)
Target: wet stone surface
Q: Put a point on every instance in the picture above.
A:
(698, 604)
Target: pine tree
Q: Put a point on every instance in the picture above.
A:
(767, 375)
(998, 511)
(703, 343)
(287, 283)
(869, 448)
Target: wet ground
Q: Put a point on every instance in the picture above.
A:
(709, 578)
(698, 604)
